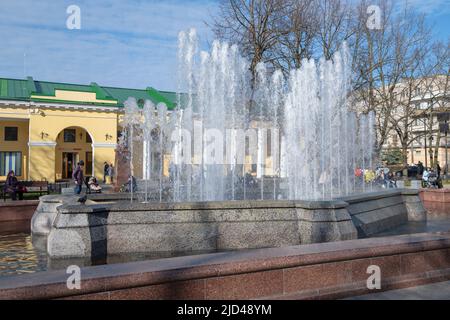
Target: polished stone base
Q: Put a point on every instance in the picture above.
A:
(435, 195)
(436, 201)
(17, 210)
(103, 229)
(317, 271)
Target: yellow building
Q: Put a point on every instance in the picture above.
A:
(47, 127)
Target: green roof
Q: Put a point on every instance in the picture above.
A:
(23, 90)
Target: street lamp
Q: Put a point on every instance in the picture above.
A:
(444, 128)
(425, 138)
(446, 150)
(443, 119)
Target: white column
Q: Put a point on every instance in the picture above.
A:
(261, 164)
(93, 159)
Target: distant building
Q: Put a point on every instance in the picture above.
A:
(418, 107)
(47, 127)
(426, 103)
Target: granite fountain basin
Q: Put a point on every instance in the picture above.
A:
(98, 229)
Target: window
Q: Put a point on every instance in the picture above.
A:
(395, 141)
(88, 138)
(11, 133)
(10, 161)
(69, 135)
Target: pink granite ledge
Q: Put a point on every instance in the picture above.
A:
(360, 287)
(17, 210)
(437, 208)
(435, 195)
(98, 279)
(18, 203)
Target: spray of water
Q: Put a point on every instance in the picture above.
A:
(297, 135)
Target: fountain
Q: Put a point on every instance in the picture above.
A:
(243, 161)
(316, 141)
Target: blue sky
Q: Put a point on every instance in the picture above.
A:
(438, 16)
(128, 43)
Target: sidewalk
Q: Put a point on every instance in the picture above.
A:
(435, 291)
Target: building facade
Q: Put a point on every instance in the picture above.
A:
(47, 127)
(423, 111)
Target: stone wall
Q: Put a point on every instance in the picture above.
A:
(436, 201)
(435, 195)
(46, 209)
(104, 229)
(316, 271)
(379, 211)
(17, 210)
(80, 231)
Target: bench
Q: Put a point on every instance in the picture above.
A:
(38, 187)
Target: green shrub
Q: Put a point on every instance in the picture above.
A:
(392, 156)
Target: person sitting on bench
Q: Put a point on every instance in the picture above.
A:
(13, 187)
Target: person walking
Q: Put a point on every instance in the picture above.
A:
(105, 171)
(78, 176)
(111, 172)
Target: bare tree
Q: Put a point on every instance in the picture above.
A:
(436, 93)
(411, 48)
(252, 24)
(376, 69)
(391, 63)
(297, 28)
(336, 25)
(388, 68)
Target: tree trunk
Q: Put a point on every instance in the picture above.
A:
(405, 155)
(436, 149)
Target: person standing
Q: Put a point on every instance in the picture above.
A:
(420, 168)
(425, 177)
(78, 176)
(438, 170)
(111, 172)
(105, 171)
